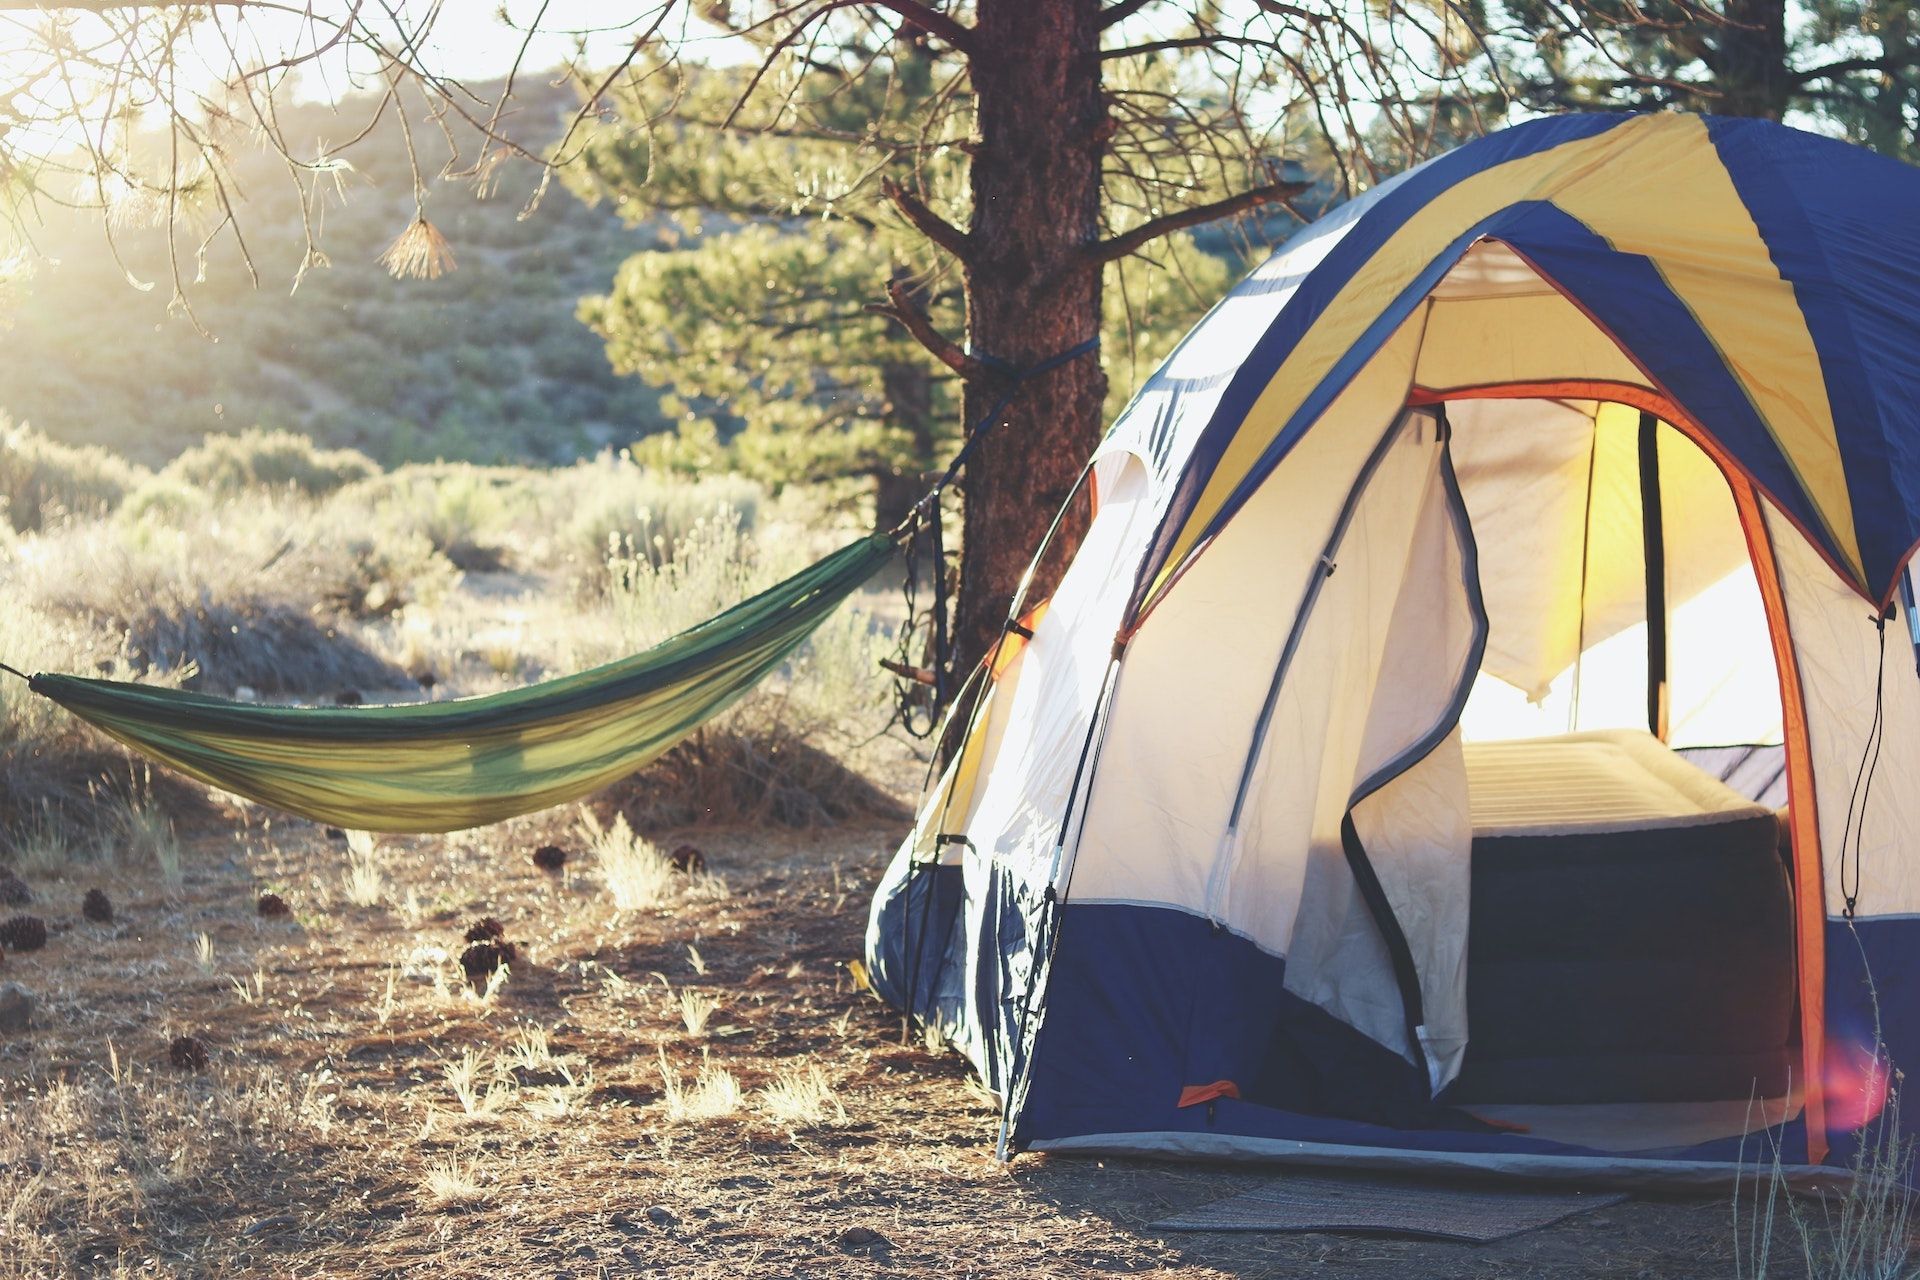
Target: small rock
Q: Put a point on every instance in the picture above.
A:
(550, 858)
(688, 860)
(863, 1238)
(273, 906)
(336, 835)
(16, 1008)
(97, 907)
(187, 1054)
(661, 1216)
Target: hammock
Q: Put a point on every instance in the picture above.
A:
(448, 765)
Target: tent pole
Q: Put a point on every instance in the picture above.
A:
(1653, 546)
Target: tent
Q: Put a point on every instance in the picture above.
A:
(1477, 727)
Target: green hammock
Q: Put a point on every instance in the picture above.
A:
(447, 765)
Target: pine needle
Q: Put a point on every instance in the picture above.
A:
(420, 253)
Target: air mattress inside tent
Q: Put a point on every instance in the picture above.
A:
(1630, 937)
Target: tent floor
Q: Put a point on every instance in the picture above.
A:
(1641, 1126)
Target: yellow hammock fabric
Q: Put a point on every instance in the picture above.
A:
(448, 765)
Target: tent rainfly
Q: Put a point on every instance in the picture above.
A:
(1478, 726)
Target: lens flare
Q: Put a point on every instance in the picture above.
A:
(1855, 1084)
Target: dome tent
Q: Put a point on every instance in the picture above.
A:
(1334, 807)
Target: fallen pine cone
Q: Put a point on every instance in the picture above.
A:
(272, 906)
(688, 860)
(187, 1054)
(97, 907)
(23, 933)
(13, 890)
(486, 929)
(550, 857)
(482, 959)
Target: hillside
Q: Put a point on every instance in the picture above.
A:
(486, 363)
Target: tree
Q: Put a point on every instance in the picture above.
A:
(1045, 148)
(762, 316)
(997, 169)
(1855, 63)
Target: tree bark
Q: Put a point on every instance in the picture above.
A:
(1750, 67)
(909, 393)
(1033, 291)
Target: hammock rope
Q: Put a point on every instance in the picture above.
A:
(445, 766)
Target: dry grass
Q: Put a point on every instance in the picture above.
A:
(452, 1183)
(696, 1009)
(714, 1094)
(802, 1098)
(357, 1091)
(637, 874)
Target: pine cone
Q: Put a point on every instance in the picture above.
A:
(13, 890)
(23, 933)
(187, 1054)
(481, 959)
(273, 906)
(97, 907)
(550, 857)
(486, 929)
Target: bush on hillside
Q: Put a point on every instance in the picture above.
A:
(788, 752)
(261, 459)
(243, 595)
(613, 506)
(44, 482)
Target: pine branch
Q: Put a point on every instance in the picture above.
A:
(926, 221)
(931, 21)
(1847, 66)
(1121, 12)
(108, 6)
(1127, 242)
(909, 315)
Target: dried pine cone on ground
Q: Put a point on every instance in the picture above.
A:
(187, 1054)
(273, 906)
(486, 929)
(97, 907)
(482, 959)
(23, 933)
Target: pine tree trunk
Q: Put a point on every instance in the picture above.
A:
(909, 392)
(1031, 292)
(1750, 68)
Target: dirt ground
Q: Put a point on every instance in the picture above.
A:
(362, 1113)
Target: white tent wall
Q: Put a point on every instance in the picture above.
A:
(1838, 653)
(1029, 741)
(1412, 818)
(1045, 701)
(1195, 675)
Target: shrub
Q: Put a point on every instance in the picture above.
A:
(611, 503)
(229, 599)
(787, 751)
(44, 482)
(262, 459)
